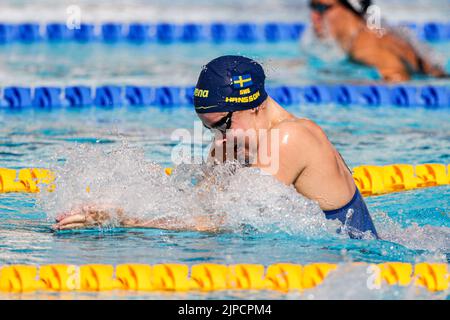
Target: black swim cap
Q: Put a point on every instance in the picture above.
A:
(357, 6)
(230, 83)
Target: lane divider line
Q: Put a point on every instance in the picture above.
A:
(283, 277)
(166, 32)
(107, 96)
(370, 180)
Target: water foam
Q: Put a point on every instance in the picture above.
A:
(326, 50)
(427, 237)
(249, 200)
(122, 177)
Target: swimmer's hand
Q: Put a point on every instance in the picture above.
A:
(89, 216)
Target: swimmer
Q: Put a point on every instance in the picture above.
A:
(392, 55)
(230, 97)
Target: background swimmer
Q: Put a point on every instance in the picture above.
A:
(393, 56)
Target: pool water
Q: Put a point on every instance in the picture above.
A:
(118, 153)
(414, 225)
(286, 63)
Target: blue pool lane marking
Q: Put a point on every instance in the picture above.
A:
(43, 97)
(246, 32)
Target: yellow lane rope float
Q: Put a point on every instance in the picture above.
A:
(371, 180)
(283, 277)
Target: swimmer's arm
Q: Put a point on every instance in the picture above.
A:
(217, 153)
(390, 67)
(433, 70)
(199, 223)
(97, 216)
(212, 160)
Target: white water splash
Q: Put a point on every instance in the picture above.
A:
(326, 49)
(250, 201)
(123, 178)
(417, 237)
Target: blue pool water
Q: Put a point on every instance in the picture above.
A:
(108, 149)
(286, 63)
(415, 225)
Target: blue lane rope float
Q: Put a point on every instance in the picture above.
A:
(245, 32)
(403, 95)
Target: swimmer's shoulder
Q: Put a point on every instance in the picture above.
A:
(300, 132)
(364, 43)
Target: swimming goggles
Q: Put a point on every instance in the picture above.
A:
(321, 8)
(223, 124)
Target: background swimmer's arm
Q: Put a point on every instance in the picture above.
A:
(432, 69)
(369, 50)
(390, 66)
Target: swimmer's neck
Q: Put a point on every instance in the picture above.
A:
(273, 114)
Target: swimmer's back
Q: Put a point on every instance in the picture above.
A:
(324, 176)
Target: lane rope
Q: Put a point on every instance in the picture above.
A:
(370, 180)
(216, 32)
(48, 97)
(283, 277)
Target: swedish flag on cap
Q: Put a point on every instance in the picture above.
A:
(230, 83)
(243, 81)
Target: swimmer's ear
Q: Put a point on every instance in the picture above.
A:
(260, 107)
(254, 110)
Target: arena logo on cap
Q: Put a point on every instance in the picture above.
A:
(201, 93)
(242, 81)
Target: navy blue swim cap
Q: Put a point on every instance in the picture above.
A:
(230, 83)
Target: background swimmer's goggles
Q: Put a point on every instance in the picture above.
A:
(223, 124)
(321, 8)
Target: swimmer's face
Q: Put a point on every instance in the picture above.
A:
(228, 122)
(242, 127)
(323, 14)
